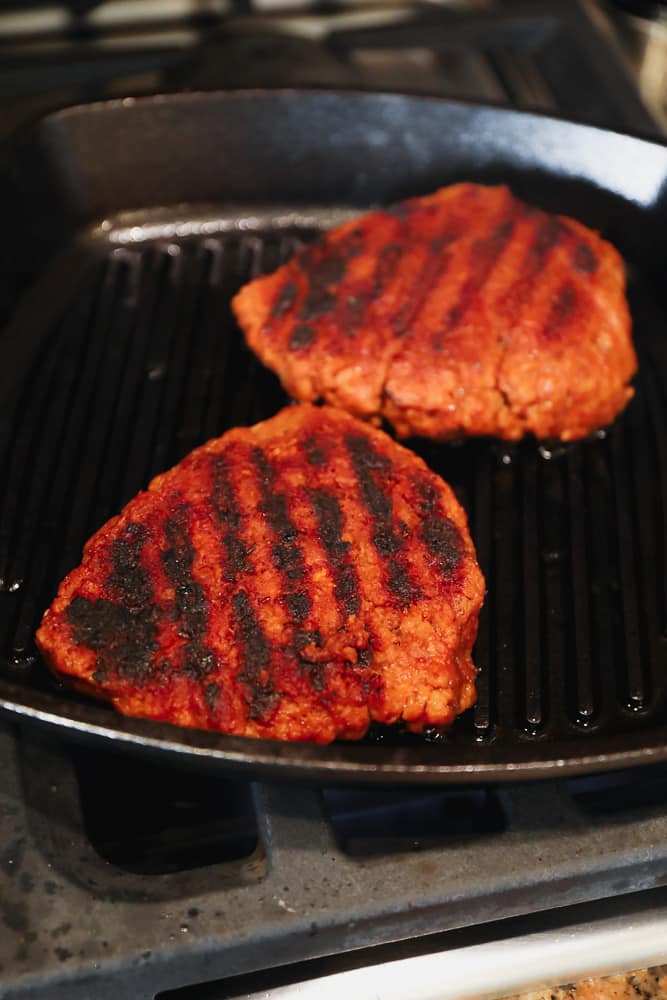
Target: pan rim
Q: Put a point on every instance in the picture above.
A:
(356, 763)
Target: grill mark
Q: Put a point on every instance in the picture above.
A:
(352, 310)
(318, 303)
(129, 579)
(124, 644)
(388, 260)
(561, 312)
(124, 635)
(287, 556)
(315, 451)
(317, 675)
(434, 266)
(387, 541)
(286, 553)
(300, 337)
(438, 533)
(190, 599)
(584, 259)
(261, 696)
(330, 534)
(485, 255)
(549, 234)
(322, 268)
(331, 267)
(298, 604)
(236, 550)
(284, 299)
(315, 669)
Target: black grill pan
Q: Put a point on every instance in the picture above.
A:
(129, 225)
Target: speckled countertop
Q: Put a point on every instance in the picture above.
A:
(650, 984)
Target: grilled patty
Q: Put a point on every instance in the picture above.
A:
(296, 580)
(461, 313)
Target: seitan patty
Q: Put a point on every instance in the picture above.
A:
(465, 312)
(297, 580)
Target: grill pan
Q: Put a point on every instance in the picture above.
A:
(130, 224)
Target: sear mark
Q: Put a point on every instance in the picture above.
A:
(439, 534)
(128, 579)
(189, 597)
(323, 270)
(298, 605)
(261, 696)
(287, 555)
(122, 631)
(331, 524)
(562, 309)
(548, 234)
(485, 255)
(433, 268)
(388, 260)
(300, 337)
(585, 260)
(125, 642)
(315, 451)
(226, 508)
(443, 540)
(388, 542)
(284, 299)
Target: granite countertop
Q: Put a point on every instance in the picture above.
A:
(648, 984)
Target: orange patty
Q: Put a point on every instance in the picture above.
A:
(297, 579)
(463, 312)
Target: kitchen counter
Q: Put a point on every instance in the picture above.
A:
(648, 984)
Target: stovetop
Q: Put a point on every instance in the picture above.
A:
(119, 875)
(565, 57)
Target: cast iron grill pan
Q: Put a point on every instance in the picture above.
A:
(124, 356)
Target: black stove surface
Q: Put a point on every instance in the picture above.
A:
(119, 876)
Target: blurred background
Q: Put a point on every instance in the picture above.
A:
(594, 60)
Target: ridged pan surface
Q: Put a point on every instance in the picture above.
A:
(123, 355)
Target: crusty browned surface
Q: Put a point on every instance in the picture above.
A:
(464, 312)
(296, 580)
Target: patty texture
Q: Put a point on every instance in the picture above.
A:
(465, 312)
(295, 580)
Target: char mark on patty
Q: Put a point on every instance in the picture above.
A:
(331, 524)
(563, 308)
(485, 255)
(370, 467)
(434, 267)
(120, 628)
(261, 696)
(189, 596)
(235, 550)
(286, 552)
